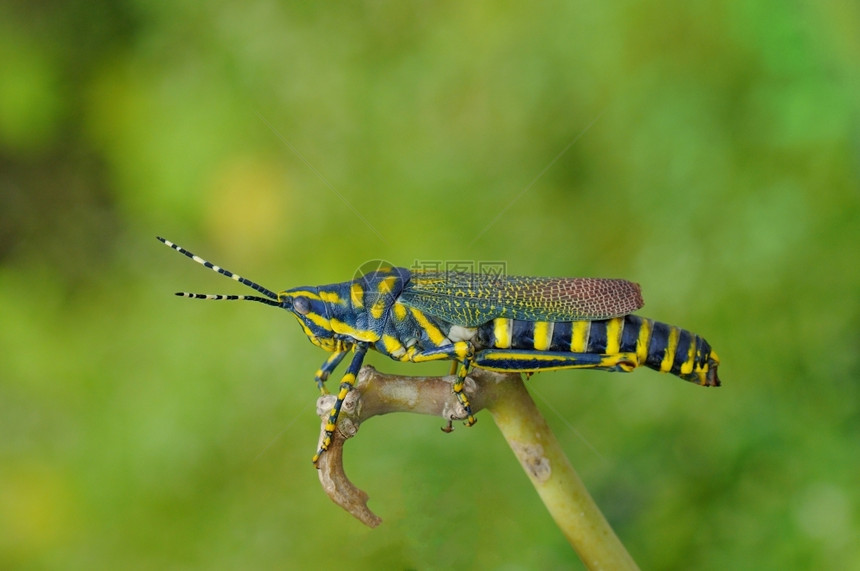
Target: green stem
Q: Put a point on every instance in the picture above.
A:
(555, 480)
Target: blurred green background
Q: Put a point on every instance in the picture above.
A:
(712, 154)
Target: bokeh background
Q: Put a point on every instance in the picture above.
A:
(709, 151)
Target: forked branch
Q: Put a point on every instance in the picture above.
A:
(506, 398)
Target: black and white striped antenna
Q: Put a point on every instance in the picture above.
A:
(270, 299)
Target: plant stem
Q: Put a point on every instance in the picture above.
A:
(519, 420)
(555, 480)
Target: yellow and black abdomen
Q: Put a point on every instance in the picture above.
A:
(620, 343)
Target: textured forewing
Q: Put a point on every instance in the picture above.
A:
(473, 299)
(578, 298)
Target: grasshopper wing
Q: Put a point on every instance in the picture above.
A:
(471, 299)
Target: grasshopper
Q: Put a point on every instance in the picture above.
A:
(497, 322)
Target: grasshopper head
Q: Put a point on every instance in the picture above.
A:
(313, 315)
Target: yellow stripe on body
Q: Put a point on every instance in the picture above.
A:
(400, 311)
(671, 347)
(306, 293)
(383, 289)
(387, 285)
(330, 297)
(393, 345)
(433, 332)
(502, 329)
(643, 340)
(543, 334)
(687, 365)
(321, 321)
(307, 331)
(378, 308)
(339, 326)
(614, 330)
(579, 336)
(356, 295)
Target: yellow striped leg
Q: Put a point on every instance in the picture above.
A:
(325, 370)
(456, 351)
(346, 384)
(524, 361)
(462, 372)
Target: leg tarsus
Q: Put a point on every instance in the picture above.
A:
(325, 370)
(346, 385)
(462, 372)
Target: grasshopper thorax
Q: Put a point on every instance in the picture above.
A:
(346, 312)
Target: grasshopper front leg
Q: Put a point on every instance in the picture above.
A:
(325, 370)
(346, 385)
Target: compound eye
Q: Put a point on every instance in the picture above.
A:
(302, 305)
